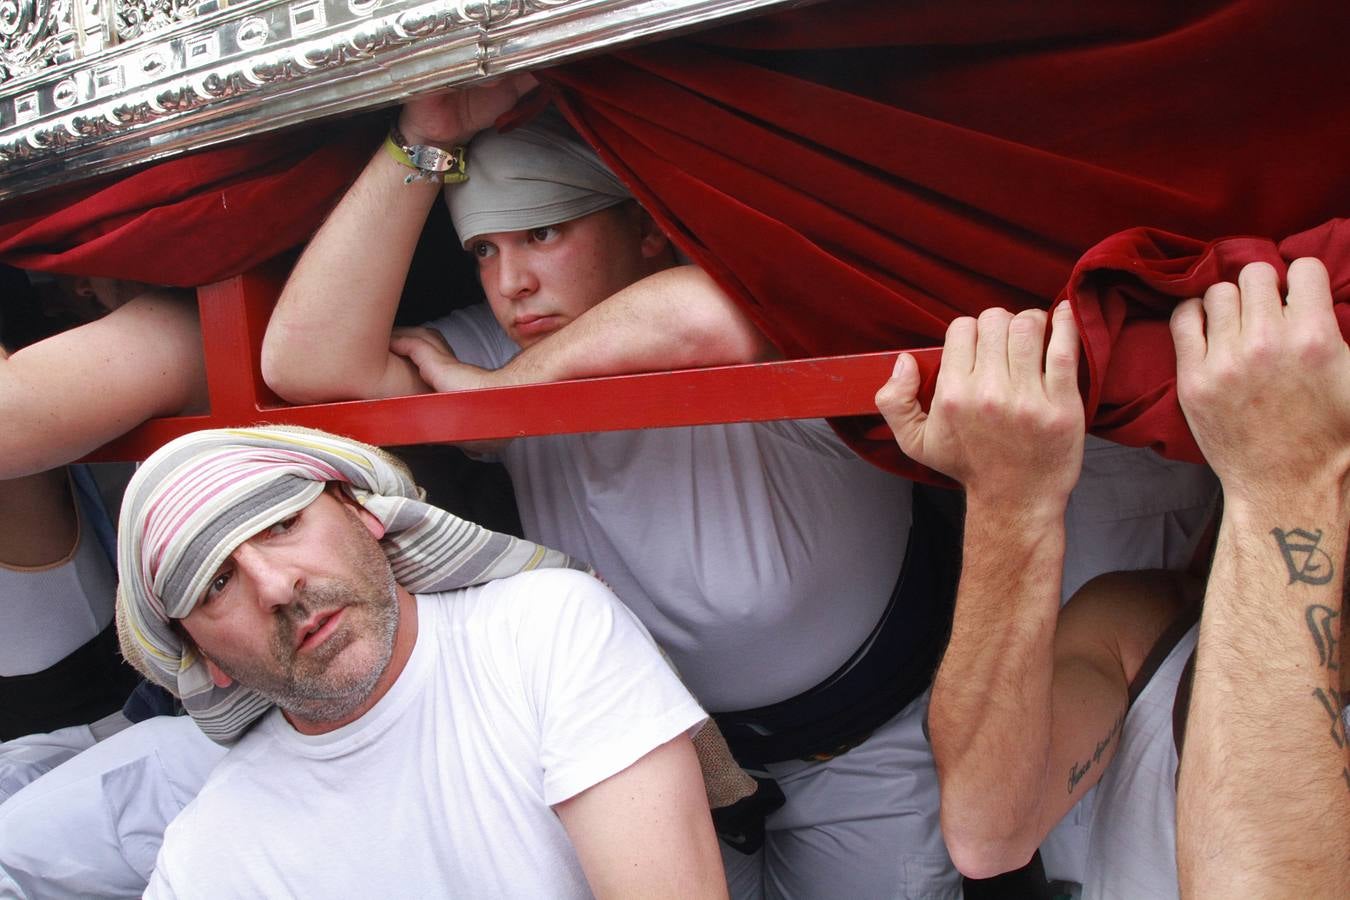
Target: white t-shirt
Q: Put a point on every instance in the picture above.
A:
(519, 694)
(760, 555)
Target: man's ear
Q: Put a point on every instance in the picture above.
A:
(218, 678)
(83, 287)
(367, 518)
(654, 240)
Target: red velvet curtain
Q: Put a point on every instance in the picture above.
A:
(195, 219)
(1124, 290)
(859, 172)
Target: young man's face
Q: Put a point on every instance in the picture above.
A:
(304, 612)
(541, 279)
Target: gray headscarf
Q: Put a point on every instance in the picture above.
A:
(539, 174)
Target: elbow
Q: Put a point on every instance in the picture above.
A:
(984, 841)
(279, 372)
(714, 330)
(987, 855)
(300, 375)
(300, 388)
(288, 381)
(733, 343)
(724, 336)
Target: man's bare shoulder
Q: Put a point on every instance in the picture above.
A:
(1120, 616)
(175, 302)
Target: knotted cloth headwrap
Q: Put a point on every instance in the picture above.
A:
(537, 174)
(199, 497)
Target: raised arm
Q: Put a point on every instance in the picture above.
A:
(646, 831)
(677, 318)
(64, 396)
(1011, 431)
(1263, 802)
(328, 338)
(1027, 703)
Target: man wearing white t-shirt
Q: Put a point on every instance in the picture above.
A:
(511, 730)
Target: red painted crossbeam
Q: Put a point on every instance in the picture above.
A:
(797, 389)
(234, 315)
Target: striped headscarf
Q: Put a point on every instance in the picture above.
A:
(199, 497)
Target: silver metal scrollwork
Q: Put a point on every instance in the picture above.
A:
(34, 34)
(92, 86)
(133, 18)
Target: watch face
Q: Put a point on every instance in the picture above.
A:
(431, 159)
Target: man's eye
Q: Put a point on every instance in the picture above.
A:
(542, 235)
(483, 249)
(283, 526)
(217, 585)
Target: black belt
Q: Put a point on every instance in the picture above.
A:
(87, 685)
(892, 667)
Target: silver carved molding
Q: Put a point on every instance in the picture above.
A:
(35, 34)
(89, 87)
(133, 18)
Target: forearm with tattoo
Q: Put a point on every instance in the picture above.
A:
(1263, 377)
(1307, 563)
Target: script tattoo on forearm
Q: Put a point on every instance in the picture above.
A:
(1307, 562)
(1077, 771)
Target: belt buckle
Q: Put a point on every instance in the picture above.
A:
(838, 750)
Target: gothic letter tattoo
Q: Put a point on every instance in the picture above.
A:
(1306, 561)
(1323, 626)
(1331, 702)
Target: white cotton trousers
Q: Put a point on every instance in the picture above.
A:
(92, 827)
(864, 824)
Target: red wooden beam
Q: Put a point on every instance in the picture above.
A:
(234, 315)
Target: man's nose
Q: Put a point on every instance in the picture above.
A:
(275, 577)
(515, 277)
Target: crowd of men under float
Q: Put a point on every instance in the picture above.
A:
(719, 659)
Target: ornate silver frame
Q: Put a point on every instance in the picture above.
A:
(89, 87)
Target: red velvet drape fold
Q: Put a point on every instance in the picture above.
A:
(1124, 290)
(195, 219)
(859, 172)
